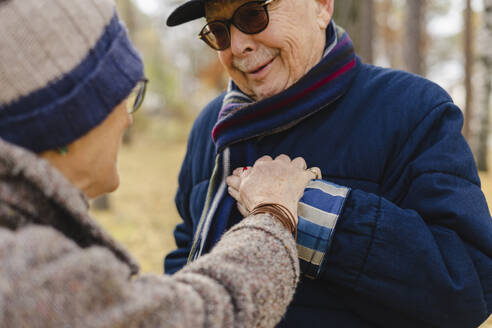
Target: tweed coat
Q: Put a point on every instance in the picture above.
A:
(58, 268)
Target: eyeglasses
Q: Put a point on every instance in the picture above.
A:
(135, 99)
(250, 18)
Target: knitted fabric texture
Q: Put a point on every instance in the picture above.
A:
(64, 66)
(60, 269)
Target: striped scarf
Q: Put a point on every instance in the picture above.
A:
(236, 100)
(241, 121)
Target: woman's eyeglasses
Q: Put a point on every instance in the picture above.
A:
(250, 18)
(136, 97)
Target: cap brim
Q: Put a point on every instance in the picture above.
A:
(189, 11)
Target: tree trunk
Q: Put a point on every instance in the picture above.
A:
(388, 33)
(367, 31)
(347, 15)
(483, 89)
(415, 37)
(483, 136)
(468, 38)
(357, 18)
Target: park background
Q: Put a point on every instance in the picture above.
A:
(447, 41)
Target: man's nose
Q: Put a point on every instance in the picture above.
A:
(241, 43)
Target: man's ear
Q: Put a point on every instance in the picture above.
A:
(325, 12)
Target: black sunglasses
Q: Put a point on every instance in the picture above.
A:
(136, 97)
(250, 18)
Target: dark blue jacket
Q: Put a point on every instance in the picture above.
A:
(413, 245)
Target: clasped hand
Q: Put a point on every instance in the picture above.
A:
(281, 181)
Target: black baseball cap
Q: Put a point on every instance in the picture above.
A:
(188, 11)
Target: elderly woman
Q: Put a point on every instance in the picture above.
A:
(69, 81)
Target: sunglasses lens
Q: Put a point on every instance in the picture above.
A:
(251, 18)
(216, 35)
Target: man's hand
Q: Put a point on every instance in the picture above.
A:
(280, 181)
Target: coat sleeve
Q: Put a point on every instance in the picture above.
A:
(421, 256)
(48, 281)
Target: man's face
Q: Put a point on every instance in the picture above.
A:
(269, 62)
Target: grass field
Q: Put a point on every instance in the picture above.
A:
(143, 215)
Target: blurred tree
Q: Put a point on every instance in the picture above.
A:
(483, 98)
(126, 11)
(160, 52)
(415, 36)
(367, 31)
(468, 41)
(444, 54)
(389, 31)
(347, 15)
(214, 76)
(357, 18)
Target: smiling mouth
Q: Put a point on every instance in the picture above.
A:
(259, 69)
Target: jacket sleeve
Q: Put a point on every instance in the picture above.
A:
(419, 254)
(48, 281)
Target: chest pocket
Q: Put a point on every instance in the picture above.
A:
(197, 201)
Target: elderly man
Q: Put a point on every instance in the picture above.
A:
(396, 232)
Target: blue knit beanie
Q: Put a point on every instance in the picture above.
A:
(64, 66)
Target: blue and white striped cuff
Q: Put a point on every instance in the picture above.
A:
(318, 212)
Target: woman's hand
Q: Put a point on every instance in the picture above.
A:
(281, 181)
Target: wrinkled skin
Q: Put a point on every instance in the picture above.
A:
(267, 63)
(91, 161)
(281, 181)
